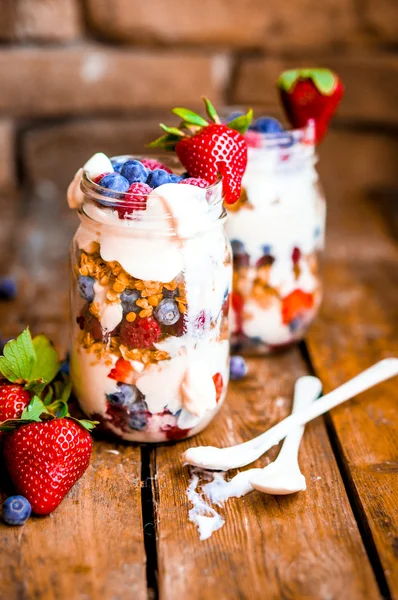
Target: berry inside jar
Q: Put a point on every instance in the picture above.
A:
(151, 282)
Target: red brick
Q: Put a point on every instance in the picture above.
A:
(381, 19)
(7, 156)
(43, 20)
(371, 85)
(94, 79)
(52, 155)
(255, 24)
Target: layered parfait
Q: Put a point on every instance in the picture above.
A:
(151, 281)
(277, 226)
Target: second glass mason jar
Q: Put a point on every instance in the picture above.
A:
(150, 297)
(277, 233)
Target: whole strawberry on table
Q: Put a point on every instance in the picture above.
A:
(45, 450)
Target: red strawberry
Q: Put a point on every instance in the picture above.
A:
(310, 94)
(122, 371)
(152, 164)
(46, 459)
(201, 183)
(207, 150)
(143, 333)
(218, 384)
(136, 197)
(13, 400)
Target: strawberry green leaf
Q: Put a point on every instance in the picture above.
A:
(89, 425)
(49, 396)
(190, 117)
(34, 410)
(211, 111)
(46, 365)
(242, 122)
(324, 79)
(18, 358)
(165, 141)
(59, 409)
(172, 130)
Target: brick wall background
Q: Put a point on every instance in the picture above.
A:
(79, 76)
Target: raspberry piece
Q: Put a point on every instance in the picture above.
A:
(121, 371)
(143, 333)
(201, 183)
(153, 164)
(296, 255)
(296, 304)
(99, 177)
(136, 197)
(253, 139)
(218, 384)
(90, 324)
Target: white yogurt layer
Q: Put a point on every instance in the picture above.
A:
(178, 233)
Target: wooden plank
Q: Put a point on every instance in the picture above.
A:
(358, 326)
(302, 546)
(92, 545)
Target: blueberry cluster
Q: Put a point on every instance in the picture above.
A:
(129, 172)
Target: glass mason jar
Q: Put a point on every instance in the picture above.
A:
(150, 296)
(277, 233)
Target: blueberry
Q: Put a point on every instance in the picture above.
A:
(286, 141)
(117, 164)
(238, 247)
(129, 298)
(16, 510)
(185, 175)
(127, 395)
(114, 182)
(158, 177)
(86, 287)
(134, 171)
(237, 368)
(267, 248)
(268, 125)
(8, 288)
(174, 178)
(65, 367)
(138, 416)
(167, 312)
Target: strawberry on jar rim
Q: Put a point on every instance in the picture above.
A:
(208, 148)
(310, 94)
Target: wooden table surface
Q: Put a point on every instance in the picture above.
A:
(123, 531)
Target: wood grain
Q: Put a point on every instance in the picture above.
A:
(302, 546)
(358, 326)
(92, 545)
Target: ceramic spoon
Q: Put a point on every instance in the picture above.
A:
(223, 459)
(283, 476)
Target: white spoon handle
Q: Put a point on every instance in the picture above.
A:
(306, 390)
(238, 456)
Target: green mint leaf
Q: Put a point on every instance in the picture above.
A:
(242, 122)
(34, 410)
(172, 130)
(18, 358)
(47, 364)
(211, 111)
(190, 117)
